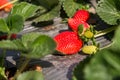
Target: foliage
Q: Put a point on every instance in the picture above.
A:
(24, 9)
(32, 45)
(45, 10)
(70, 6)
(2, 69)
(10, 24)
(109, 11)
(49, 15)
(2, 73)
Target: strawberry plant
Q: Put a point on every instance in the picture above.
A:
(109, 11)
(100, 62)
(30, 45)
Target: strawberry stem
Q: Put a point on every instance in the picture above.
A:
(105, 31)
(11, 2)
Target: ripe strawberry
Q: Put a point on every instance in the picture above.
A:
(68, 42)
(82, 15)
(6, 8)
(75, 23)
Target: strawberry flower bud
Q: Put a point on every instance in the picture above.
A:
(88, 34)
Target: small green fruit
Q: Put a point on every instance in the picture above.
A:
(88, 34)
(89, 49)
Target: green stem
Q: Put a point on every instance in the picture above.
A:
(25, 63)
(105, 31)
(3, 56)
(2, 65)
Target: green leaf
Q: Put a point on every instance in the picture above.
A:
(7, 44)
(41, 46)
(31, 75)
(12, 45)
(15, 23)
(47, 3)
(28, 38)
(2, 73)
(49, 15)
(20, 45)
(116, 39)
(24, 9)
(2, 68)
(31, 45)
(70, 7)
(3, 26)
(109, 11)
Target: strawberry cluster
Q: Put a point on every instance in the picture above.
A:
(69, 42)
(5, 7)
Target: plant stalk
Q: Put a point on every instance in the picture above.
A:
(3, 56)
(25, 63)
(105, 31)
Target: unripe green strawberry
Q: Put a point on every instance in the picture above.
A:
(89, 49)
(82, 15)
(68, 42)
(88, 34)
(75, 23)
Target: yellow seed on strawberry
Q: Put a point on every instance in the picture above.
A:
(89, 49)
(88, 34)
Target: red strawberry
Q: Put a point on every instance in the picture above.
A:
(68, 42)
(6, 8)
(13, 36)
(82, 15)
(75, 23)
